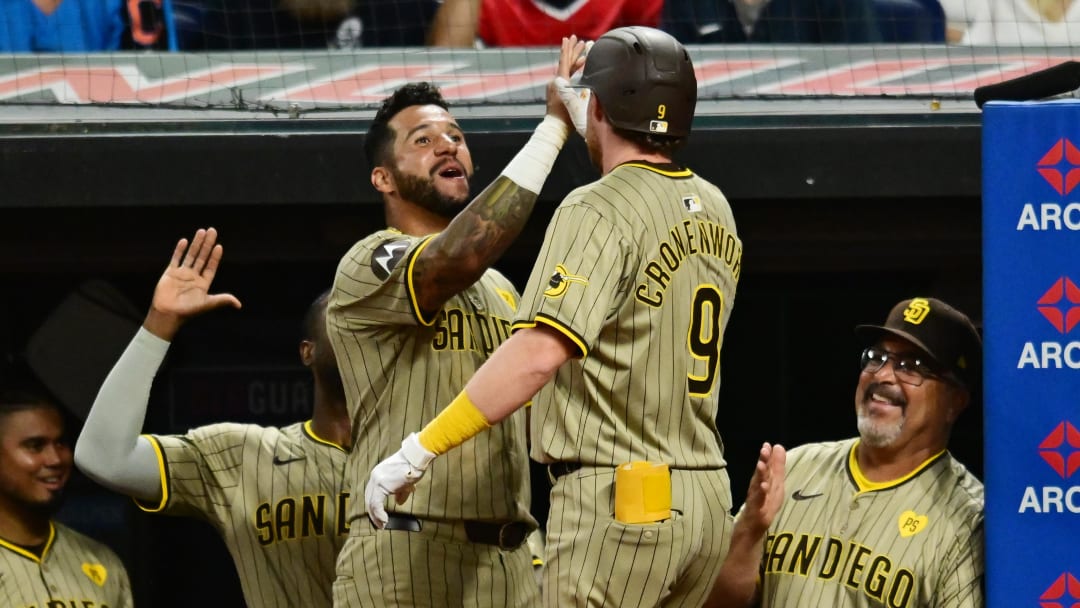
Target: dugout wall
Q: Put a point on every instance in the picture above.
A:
(846, 204)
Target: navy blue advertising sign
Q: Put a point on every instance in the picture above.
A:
(1031, 295)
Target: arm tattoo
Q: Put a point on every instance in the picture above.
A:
(473, 241)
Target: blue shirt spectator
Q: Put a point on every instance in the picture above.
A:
(771, 21)
(63, 26)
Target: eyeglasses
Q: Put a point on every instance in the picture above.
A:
(909, 368)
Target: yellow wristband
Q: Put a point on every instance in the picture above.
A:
(453, 426)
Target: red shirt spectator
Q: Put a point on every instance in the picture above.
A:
(536, 22)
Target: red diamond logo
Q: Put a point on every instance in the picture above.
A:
(1065, 584)
(1061, 305)
(1060, 166)
(1064, 459)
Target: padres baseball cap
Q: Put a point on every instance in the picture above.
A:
(939, 330)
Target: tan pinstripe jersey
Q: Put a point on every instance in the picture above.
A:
(841, 540)
(399, 367)
(276, 497)
(74, 570)
(639, 269)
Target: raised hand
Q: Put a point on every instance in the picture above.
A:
(766, 492)
(574, 102)
(183, 290)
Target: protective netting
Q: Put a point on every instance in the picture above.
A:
(346, 54)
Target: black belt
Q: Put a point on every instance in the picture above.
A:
(507, 536)
(558, 469)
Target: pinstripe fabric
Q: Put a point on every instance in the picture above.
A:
(273, 495)
(593, 560)
(436, 567)
(639, 269)
(914, 542)
(398, 367)
(647, 289)
(75, 571)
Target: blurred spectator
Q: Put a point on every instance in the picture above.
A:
(387, 23)
(466, 23)
(919, 21)
(958, 16)
(771, 21)
(308, 24)
(266, 24)
(63, 26)
(315, 10)
(1025, 23)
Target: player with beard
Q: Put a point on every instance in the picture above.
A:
(415, 309)
(42, 562)
(887, 518)
(617, 342)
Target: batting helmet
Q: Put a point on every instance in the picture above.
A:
(645, 80)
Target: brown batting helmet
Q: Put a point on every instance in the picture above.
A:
(644, 79)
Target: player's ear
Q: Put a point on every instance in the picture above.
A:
(382, 180)
(307, 352)
(596, 111)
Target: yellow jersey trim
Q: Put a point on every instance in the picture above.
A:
(161, 474)
(679, 173)
(865, 485)
(556, 325)
(412, 288)
(29, 555)
(311, 435)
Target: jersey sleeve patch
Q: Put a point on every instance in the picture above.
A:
(561, 280)
(386, 257)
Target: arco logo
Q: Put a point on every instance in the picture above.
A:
(1061, 449)
(1060, 166)
(1066, 588)
(1061, 305)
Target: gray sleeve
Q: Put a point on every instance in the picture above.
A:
(110, 449)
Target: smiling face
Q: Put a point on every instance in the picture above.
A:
(899, 416)
(35, 460)
(431, 164)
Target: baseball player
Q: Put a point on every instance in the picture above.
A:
(885, 519)
(42, 562)
(625, 309)
(414, 312)
(274, 495)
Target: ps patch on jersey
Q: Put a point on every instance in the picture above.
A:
(560, 281)
(96, 573)
(386, 257)
(507, 297)
(691, 202)
(911, 523)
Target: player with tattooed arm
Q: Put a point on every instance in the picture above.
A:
(625, 311)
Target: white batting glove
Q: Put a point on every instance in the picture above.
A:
(396, 475)
(575, 100)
